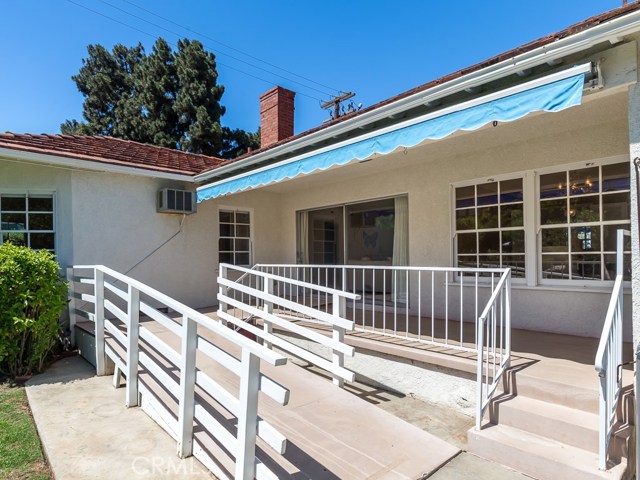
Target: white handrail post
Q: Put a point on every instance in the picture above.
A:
(339, 310)
(247, 416)
(186, 406)
(223, 291)
(603, 421)
(507, 340)
(268, 307)
(71, 307)
(133, 315)
(479, 382)
(99, 321)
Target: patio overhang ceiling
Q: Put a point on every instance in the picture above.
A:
(551, 93)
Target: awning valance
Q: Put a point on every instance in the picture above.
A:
(503, 106)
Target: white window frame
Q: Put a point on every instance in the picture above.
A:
(531, 219)
(41, 193)
(565, 168)
(223, 208)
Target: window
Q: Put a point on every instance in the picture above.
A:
(489, 226)
(234, 243)
(580, 212)
(371, 232)
(27, 219)
(579, 209)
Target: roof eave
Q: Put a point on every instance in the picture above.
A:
(89, 164)
(611, 30)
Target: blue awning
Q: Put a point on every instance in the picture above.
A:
(550, 97)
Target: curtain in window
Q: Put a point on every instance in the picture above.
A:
(303, 237)
(401, 245)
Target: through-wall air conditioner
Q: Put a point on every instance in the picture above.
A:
(171, 200)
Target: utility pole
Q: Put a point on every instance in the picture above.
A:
(335, 104)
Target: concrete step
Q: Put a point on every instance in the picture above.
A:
(580, 397)
(537, 456)
(571, 426)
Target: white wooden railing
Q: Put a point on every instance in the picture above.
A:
(466, 309)
(493, 345)
(117, 303)
(609, 357)
(255, 294)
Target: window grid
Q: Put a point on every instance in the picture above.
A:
(506, 198)
(603, 259)
(234, 242)
(28, 220)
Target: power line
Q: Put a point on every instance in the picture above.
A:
(229, 46)
(175, 46)
(226, 54)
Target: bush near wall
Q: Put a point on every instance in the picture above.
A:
(32, 298)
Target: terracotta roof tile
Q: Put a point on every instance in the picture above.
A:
(112, 151)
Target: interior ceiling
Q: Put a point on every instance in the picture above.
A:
(597, 109)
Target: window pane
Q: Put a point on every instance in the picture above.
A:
(226, 217)
(225, 245)
(242, 231)
(553, 185)
(225, 257)
(465, 197)
(511, 191)
(19, 239)
(40, 221)
(242, 259)
(610, 237)
(489, 261)
(488, 217)
(13, 221)
(554, 240)
(583, 181)
(584, 239)
(513, 241)
(489, 242)
(41, 240)
(242, 217)
(487, 193)
(585, 209)
(615, 177)
(17, 203)
(242, 245)
(516, 262)
(466, 243)
(586, 267)
(227, 230)
(553, 212)
(616, 206)
(41, 204)
(555, 266)
(610, 270)
(465, 261)
(466, 219)
(511, 216)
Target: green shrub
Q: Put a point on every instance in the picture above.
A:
(32, 298)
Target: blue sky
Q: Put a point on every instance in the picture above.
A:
(376, 49)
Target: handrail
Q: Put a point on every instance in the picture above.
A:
(609, 357)
(384, 267)
(120, 342)
(260, 301)
(494, 295)
(608, 323)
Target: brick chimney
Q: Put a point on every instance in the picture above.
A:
(276, 115)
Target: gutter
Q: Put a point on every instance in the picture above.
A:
(612, 31)
(91, 165)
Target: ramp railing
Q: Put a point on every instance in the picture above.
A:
(132, 331)
(256, 295)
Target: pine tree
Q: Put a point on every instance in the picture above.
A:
(166, 98)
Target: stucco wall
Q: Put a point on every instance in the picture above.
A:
(596, 130)
(111, 219)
